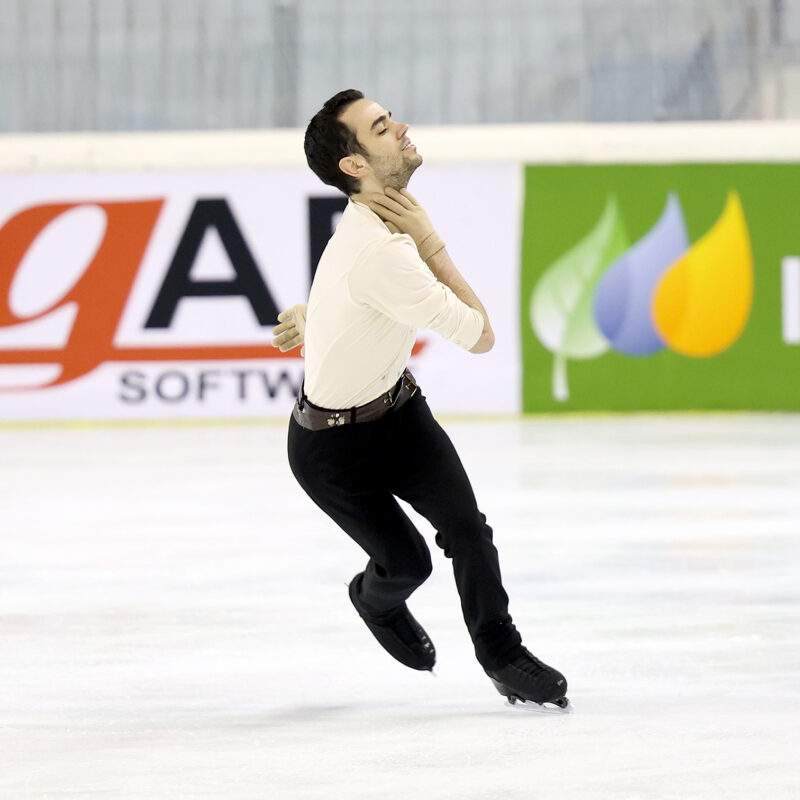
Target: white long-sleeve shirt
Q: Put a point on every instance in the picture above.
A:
(370, 293)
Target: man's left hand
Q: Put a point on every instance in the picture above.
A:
(401, 213)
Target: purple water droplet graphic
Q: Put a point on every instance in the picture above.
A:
(623, 298)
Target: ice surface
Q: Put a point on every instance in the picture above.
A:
(174, 621)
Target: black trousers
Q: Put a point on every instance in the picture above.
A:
(355, 472)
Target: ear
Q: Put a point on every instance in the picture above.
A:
(355, 166)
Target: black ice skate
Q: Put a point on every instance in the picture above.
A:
(528, 680)
(399, 634)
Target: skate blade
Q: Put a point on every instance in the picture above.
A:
(540, 708)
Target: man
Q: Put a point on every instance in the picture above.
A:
(361, 434)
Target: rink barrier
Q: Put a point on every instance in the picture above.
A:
(556, 143)
(167, 353)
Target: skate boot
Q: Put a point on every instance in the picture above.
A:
(528, 680)
(399, 633)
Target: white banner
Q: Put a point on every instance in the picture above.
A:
(152, 295)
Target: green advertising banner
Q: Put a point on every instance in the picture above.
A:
(650, 287)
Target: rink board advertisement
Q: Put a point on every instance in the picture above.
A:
(661, 287)
(153, 295)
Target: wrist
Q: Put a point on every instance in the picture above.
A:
(430, 245)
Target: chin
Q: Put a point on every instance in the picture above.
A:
(414, 164)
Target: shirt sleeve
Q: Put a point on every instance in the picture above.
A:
(394, 280)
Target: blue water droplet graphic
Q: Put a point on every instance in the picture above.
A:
(623, 298)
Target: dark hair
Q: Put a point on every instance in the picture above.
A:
(328, 140)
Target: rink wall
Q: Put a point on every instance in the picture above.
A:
(624, 267)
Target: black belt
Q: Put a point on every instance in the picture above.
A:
(314, 418)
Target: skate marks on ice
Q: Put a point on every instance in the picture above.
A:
(174, 622)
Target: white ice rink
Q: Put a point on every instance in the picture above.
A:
(175, 624)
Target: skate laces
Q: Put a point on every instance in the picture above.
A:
(527, 663)
(409, 633)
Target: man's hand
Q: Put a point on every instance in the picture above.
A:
(292, 329)
(403, 214)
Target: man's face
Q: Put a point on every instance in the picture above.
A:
(390, 153)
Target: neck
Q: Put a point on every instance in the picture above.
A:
(368, 188)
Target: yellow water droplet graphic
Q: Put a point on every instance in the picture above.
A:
(703, 301)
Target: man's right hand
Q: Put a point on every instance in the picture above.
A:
(292, 329)
(403, 214)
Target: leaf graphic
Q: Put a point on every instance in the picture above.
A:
(561, 303)
(622, 299)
